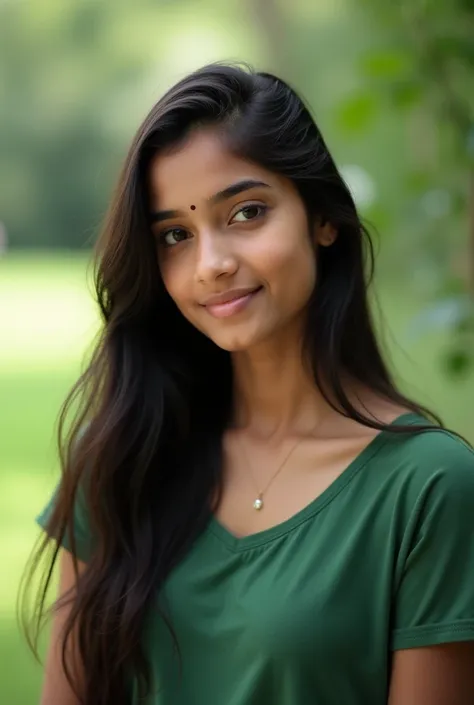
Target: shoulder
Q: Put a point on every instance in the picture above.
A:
(432, 501)
(432, 475)
(420, 455)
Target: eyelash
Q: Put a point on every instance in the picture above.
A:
(263, 210)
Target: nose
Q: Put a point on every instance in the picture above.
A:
(214, 258)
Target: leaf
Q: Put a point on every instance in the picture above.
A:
(457, 47)
(389, 64)
(406, 94)
(357, 112)
(458, 362)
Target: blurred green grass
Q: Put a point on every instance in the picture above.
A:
(47, 320)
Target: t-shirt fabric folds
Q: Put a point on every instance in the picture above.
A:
(310, 610)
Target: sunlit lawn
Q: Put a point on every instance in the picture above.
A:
(46, 322)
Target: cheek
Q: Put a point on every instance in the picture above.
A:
(174, 280)
(292, 270)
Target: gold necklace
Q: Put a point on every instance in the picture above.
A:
(258, 502)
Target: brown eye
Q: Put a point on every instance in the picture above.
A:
(172, 237)
(250, 212)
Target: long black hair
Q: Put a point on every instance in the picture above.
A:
(148, 414)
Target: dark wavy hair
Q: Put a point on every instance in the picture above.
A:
(144, 443)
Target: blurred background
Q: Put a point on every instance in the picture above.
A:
(392, 88)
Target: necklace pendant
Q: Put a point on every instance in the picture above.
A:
(258, 504)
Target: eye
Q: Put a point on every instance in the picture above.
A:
(172, 237)
(250, 212)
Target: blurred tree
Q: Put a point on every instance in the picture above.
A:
(425, 74)
(62, 67)
(271, 19)
(75, 80)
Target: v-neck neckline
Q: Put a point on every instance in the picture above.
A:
(242, 543)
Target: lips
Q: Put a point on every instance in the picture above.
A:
(231, 295)
(230, 302)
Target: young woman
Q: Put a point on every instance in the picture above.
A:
(250, 511)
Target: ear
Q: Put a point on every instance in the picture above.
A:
(325, 233)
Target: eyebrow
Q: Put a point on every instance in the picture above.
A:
(228, 192)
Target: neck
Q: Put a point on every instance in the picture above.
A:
(274, 394)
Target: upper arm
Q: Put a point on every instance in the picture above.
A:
(433, 596)
(433, 610)
(434, 675)
(56, 688)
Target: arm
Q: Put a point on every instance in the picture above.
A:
(56, 689)
(433, 608)
(433, 675)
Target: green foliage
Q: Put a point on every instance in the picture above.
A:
(358, 112)
(458, 362)
(76, 78)
(387, 64)
(424, 73)
(59, 70)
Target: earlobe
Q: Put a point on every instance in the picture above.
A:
(326, 233)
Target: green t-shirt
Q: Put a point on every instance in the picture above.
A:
(310, 610)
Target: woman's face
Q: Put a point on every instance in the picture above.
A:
(233, 243)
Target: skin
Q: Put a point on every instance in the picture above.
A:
(220, 247)
(56, 688)
(226, 247)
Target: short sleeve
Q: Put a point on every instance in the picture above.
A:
(434, 600)
(82, 533)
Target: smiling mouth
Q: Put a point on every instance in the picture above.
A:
(233, 306)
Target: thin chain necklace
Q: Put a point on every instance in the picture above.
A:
(258, 501)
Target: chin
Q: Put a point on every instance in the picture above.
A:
(232, 346)
(237, 341)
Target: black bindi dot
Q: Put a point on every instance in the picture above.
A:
(193, 208)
